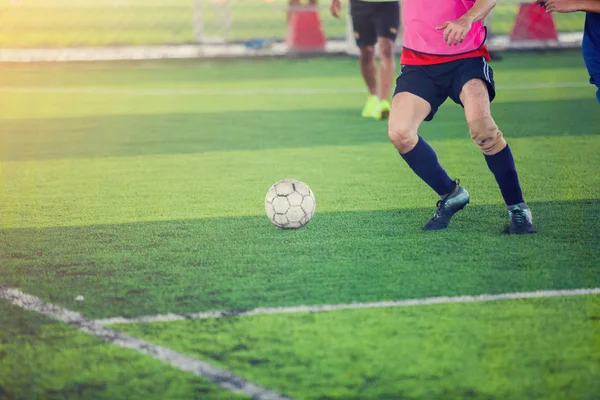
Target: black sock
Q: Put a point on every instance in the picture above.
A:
(503, 167)
(424, 162)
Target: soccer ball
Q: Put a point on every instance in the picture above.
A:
(290, 204)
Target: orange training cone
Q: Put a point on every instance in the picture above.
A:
(305, 33)
(533, 23)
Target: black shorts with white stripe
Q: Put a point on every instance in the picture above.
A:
(435, 83)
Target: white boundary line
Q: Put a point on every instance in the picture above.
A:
(221, 377)
(252, 92)
(332, 307)
(347, 46)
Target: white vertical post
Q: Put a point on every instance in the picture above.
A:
(227, 21)
(198, 22)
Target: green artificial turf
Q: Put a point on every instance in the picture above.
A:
(42, 359)
(140, 186)
(147, 213)
(517, 349)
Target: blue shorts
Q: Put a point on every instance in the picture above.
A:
(435, 83)
(591, 48)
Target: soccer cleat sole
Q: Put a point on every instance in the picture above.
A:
(435, 227)
(527, 230)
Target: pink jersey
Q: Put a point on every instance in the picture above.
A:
(421, 17)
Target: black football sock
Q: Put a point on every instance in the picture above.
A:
(424, 162)
(503, 167)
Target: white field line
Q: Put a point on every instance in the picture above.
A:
(250, 92)
(332, 307)
(221, 377)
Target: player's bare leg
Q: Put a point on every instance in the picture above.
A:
(407, 114)
(368, 69)
(485, 133)
(387, 71)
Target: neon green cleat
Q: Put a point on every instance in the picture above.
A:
(383, 110)
(370, 110)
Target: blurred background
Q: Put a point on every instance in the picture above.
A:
(193, 28)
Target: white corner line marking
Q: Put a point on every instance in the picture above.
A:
(349, 306)
(221, 377)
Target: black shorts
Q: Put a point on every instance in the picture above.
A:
(371, 20)
(435, 83)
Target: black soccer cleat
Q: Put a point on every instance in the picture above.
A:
(447, 207)
(521, 220)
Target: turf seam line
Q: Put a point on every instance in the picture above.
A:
(349, 306)
(252, 92)
(221, 377)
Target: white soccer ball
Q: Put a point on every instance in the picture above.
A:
(290, 204)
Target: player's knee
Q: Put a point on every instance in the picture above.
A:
(367, 54)
(403, 137)
(386, 50)
(487, 136)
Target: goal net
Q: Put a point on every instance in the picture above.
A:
(54, 30)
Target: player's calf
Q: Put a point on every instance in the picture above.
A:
(368, 69)
(387, 69)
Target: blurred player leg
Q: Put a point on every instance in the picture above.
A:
(365, 34)
(387, 23)
(292, 6)
(475, 99)
(368, 69)
(387, 70)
